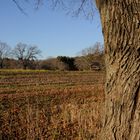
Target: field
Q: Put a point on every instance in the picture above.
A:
(46, 105)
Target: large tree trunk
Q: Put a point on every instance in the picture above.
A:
(121, 28)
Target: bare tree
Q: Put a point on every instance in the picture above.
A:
(92, 54)
(26, 54)
(4, 53)
(81, 64)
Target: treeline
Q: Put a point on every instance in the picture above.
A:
(25, 56)
(22, 56)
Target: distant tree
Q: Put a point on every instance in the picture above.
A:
(4, 53)
(67, 62)
(49, 64)
(26, 54)
(80, 63)
(91, 55)
(10, 63)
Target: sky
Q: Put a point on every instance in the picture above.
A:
(53, 31)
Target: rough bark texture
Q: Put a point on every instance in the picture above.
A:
(121, 28)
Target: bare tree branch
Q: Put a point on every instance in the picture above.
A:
(20, 7)
(74, 8)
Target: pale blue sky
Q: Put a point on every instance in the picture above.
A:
(54, 32)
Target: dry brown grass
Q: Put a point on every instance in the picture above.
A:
(51, 105)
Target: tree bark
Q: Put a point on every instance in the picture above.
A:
(121, 28)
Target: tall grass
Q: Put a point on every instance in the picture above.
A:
(72, 113)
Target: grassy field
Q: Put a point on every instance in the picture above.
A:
(46, 105)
